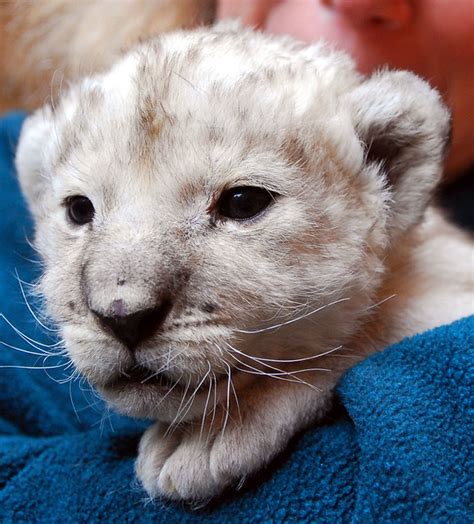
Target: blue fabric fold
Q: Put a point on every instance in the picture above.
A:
(398, 446)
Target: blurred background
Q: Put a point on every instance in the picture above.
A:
(45, 43)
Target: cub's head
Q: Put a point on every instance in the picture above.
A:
(202, 199)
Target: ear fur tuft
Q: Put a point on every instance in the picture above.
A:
(405, 129)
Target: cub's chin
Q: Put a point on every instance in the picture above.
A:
(143, 394)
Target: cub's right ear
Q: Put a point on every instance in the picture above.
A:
(33, 158)
(404, 127)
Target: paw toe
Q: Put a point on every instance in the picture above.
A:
(186, 476)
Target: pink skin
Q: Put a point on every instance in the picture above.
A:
(433, 38)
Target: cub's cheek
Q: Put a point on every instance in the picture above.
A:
(97, 358)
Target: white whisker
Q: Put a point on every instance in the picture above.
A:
(235, 396)
(163, 368)
(229, 379)
(72, 377)
(58, 381)
(280, 371)
(170, 390)
(33, 343)
(214, 409)
(42, 354)
(189, 402)
(380, 302)
(291, 321)
(290, 361)
(271, 375)
(32, 367)
(72, 402)
(203, 419)
(259, 372)
(172, 427)
(29, 307)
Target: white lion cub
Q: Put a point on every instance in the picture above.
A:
(222, 216)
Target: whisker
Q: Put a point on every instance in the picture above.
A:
(283, 360)
(90, 404)
(72, 377)
(259, 372)
(214, 409)
(189, 402)
(235, 396)
(291, 321)
(380, 302)
(280, 371)
(172, 427)
(203, 419)
(58, 381)
(28, 305)
(28, 352)
(229, 379)
(72, 402)
(171, 389)
(164, 367)
(32, 367)
(33, 343)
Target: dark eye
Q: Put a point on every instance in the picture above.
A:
(241, 203)
(80, 209)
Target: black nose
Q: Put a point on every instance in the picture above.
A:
(137, 327)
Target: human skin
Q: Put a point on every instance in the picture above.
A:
(433, 38)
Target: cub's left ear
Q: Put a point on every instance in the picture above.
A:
(37, 141)
(405, 128)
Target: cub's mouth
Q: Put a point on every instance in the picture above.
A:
(141, 377)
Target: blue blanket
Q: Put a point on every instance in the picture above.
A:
(396, 448)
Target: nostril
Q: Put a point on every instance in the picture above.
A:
(134, 328)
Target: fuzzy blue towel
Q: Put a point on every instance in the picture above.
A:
(397, 447)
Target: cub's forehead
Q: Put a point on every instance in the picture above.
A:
(200, 102)
(198, 72)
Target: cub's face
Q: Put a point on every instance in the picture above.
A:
(213, 185)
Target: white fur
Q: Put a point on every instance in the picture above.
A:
(153, 143)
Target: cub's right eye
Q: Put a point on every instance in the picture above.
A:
(80, 210)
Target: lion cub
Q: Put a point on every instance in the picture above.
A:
(222, 216)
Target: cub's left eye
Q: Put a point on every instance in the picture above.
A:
(244, 202)
(80, 209)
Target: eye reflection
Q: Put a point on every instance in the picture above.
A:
(80, 209)
(244, 202)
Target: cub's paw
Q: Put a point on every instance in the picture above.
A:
(176, 465)
(195, 466)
